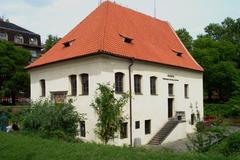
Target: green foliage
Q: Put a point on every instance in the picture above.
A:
(231, 144)
(229, 109)
(109, 110)
(49, 119)
(14, 79)
(218, 51)
(17, 146)
(185, 37)
(207, 136)
(50, 42)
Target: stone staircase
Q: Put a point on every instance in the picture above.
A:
(167, 129)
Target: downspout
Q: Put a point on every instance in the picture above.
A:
(130, 95)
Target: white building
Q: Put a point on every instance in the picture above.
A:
(140, 55)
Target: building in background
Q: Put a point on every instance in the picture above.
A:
(21, 37)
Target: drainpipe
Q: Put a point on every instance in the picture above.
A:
(130, 95)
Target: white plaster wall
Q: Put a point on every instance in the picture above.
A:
(101, 69)
(178, 133)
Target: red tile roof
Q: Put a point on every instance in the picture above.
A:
(103, 31)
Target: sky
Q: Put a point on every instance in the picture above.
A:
(58, 17)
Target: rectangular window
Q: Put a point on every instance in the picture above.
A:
(123, 130)
(18, 39)
(137, 84)
(33, 41)
(147, 126)
(3, 36)
(43, 88)
(170, 89)
(82, 129)
(186, 90)
(119, 82)
(153, 85)
(137, 124)
(73, 82)
(85, 84)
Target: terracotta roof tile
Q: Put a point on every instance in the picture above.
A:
(153, 40)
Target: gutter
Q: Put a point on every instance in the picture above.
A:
(130, 95)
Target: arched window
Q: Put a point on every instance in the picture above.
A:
(18, 39)
(73, 83)
(137, 84)
(119, 82)
(85, 83)
(153, 80)
(43, 87)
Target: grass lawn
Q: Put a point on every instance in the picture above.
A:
(16, 146)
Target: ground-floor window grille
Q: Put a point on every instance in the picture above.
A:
(123, 130)
(82, 129)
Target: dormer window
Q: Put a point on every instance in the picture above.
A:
(126, 39)
(3, 36)
(33, 41)
(18, 39)
(68, 43)
(179, 54)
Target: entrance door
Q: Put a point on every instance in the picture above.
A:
(170, 107)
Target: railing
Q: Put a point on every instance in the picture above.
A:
(180, 116)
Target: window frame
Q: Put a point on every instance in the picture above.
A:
(138, 84)
(124, 130)
(85, 83)
(186, 91)
(33, 41)
(4, 38)
(73, 84)
(21, 38)
(82, 128)
(153, 85)
(137, 125)
(170, 89)
(43, 87)
(119, 77)
(147, 124)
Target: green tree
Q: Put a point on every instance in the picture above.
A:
(109, 110)
(228, 30)
(14, 80)
(218, 59)
(185, 37)
(50, 42)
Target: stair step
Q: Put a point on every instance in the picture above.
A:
(164, 132)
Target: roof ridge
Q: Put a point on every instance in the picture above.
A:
(104, 26)
(119, 5)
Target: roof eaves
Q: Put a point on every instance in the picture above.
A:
(184, 46)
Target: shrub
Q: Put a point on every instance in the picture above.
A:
(231, 144)
(52, 119)
(207, 136)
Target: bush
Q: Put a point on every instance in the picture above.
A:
(207, 136)
(228, 109)
(52, 119)
(230, 145)
(220, 110)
